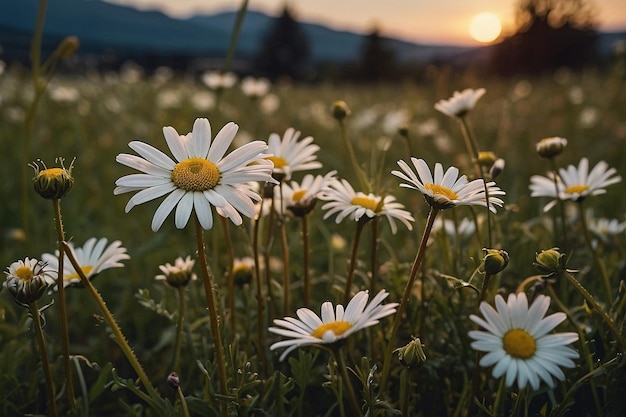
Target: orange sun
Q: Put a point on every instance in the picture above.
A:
(485, 27)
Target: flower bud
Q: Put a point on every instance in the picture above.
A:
(551, 147)
(243, 270)
(52, 183)
(412, 354)
(497, 168)
(403, 131)
(69, 45)
(173, 380)
(340, 110)
(495, 260)
(549, 261)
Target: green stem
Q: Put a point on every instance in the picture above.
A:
(43, 353)
(67, 365)
(115, 328)
(207, 279)
(343, 369)
(596, 258)
(596, 306)
(178, 343)
(230, 277)
(183, 401)
(374, 256)
(355, 164)
(241, 13)
(497, 405)
(355, 248)
(305, 260)
(286, 278)
(405, 297)
(555, 179)
(260, 297)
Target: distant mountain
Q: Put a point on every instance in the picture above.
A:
(105, 28)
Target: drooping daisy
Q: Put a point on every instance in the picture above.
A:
(300, 199)
(460, 103)
(28, 280)
(179, 274)
(93, 257)
(201, 176)
(334, 324)
(517, 342)
(446, 190)
(289, 155)
(573, 183)
(344, 201)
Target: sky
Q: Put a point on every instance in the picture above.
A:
(423, 21)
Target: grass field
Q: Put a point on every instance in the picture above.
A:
(92, 118)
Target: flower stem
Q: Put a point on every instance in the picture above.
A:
(497, 405)
(286, 278)
(355, 248)
(260, 297)
(305, 260)
(343, 369)
(178, 343)
(207, 279)
(432, 215)
(596, 258)
(555, 179)
(374, 256)
(115, 328)
(229, 277)
(594, 304)
(355, 164)
(65, 340)
(183, 401)
(43, 353)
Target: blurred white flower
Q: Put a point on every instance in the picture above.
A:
(460, 103)
(255, 87)
(215, 80)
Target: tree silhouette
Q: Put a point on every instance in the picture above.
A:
(285, 49)
(378, 60)
(550, 34)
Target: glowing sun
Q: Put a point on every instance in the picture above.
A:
(485, 27)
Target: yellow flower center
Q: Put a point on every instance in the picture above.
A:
(337, 327)
(278, 161)
(367, 202)
(441, 190)
(297, 195)
(24, 273)
(86, 270)
(195, 174)
(519, 344)
(577, 189)
(51, 173)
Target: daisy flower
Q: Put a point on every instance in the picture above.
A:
(93, 257)
(446, 190)
(255, 87)
(517, 342)
(300, 198)
(289, 155)
(179, 274)
(334, 324)
(201, 176)
(342, 199)
(215, 80)
(27, 280)
(460, 103)
(573, 183)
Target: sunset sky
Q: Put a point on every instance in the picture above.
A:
(440, 21)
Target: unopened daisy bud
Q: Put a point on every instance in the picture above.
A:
(68, 46)
(52, 183)
(403, 131)
(497, 168)
(551, 147)
(549, 261)
(173, 380)
(28, 280)
(495, 260)
(486, 159)
(340, 110)
(412, 354)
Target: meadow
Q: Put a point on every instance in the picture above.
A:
(91, 118)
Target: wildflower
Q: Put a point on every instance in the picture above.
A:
(301, 198)
(93, 257)
(340, 110)
(460, 103)
(289, 155)
(518, 343)
(344, 200)
(495, 260)
(603, 228)
(243, 270)
(334, 325)
(215, 80)
(551, 147)
(255, 87)
(200, 178)
(412, 353)
(448, 190)
(52, 183)
(27, 280)
(573, 183)
(550, 262)
(179, 274)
